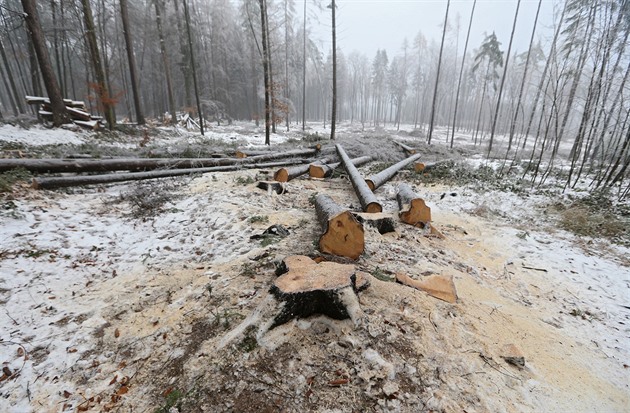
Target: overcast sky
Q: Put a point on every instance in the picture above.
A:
(369, 25)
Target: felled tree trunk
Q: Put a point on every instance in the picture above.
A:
(65, 165)
(342, 234)
(67, 181)
(369, 203)
(374, 181)
(307, 288)
(413, 210)
(287, 174)
(321, 170)
(427, 167)
(406, 148)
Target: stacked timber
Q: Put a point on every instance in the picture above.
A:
(77, 111)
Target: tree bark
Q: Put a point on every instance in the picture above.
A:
(59, 113)
(342, 234)
(265, 58)
(324, 171)
(124, 13)
(375, 181)
(369, 203)
(333, 118)
(408, 149)
(167, 68)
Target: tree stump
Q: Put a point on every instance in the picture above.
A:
(382, 221)
(413, 210)
(307, 288)
(342, 234)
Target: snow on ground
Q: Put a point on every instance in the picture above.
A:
(105, 311)
(39, 135)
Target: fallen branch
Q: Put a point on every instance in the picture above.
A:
(365, 195)
(67, 181)
(385, 175)
(324, 171)
(342, 234)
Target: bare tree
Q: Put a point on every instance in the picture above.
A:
(124, 13)
(266, 69)
(437, 75)
(192, 63)
(333, 118)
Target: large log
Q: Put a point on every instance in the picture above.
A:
(342, 234)
(307, 288)
(413, 210)
(289, 173)
(369, 203)
(427, 167)
(322, 170)
(406, 148)
(66, 181)
(108, 165)
(385, 175)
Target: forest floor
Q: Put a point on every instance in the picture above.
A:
(151, 296)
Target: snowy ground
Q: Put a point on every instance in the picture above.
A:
(106, 312)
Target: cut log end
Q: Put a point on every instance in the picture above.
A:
(344, 236)
(371, 185)
(419, 167)
(317, 171)
(373, 207)
(241, 155)
(281, 175)
(417, 213)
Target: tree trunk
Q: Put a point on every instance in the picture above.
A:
(287, 174)
(385, 175)
(333, 118)
(14, 90)
(505, 69)
(192, 63)
(167, 69)
(437, 75)
(67, 181)
(99, 73)
(461, 72)
(124, 13)
(324, 171)
(342, 234)
(58, 108)
(304, 71)
(266, 69)
(369, 203)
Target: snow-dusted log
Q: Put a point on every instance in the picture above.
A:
(321, 170)
(289, 173)
(374, 181)
(413, 210)
(67, 181)
(369, 203)
(406, 148)
(125, 164)
(342, 234)
(307, 288)
(247, 153)
(427, 167)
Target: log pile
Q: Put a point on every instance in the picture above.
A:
(77, 111)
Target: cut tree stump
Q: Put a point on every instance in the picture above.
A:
(369, 203)
(438, 286)
(406, 148)
(382, 221)
(413, 210)
(324, 171)
(287, 174)
(342, 234)
(385, 175)
(270, 187)
(307, 288)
